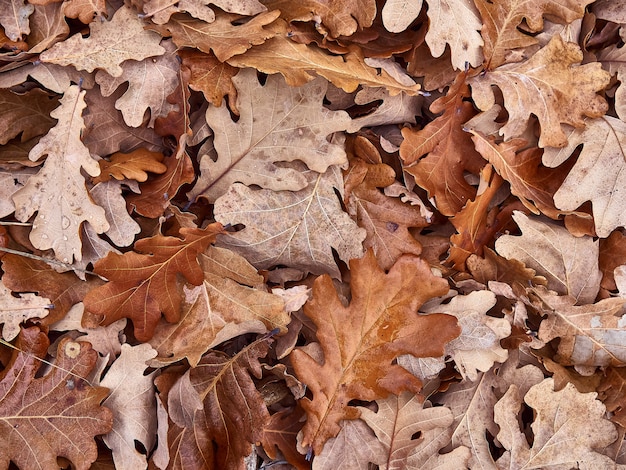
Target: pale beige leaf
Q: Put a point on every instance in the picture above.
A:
(226, 263)
(51, 76)
(455, 23)
(292, 228)
(599, 174)
(552, 85)
(57, 192)
(570, 264)
(14, 18)
(277, 123)
(569, 429)
(398, 109)
(478, 346)
(15, 310)
(122, 227)
(161, 10)
(132, 401)
(353, 448)
(109, 44)
(398, 15)
(396, 423)
(590, 335)
(150, 82)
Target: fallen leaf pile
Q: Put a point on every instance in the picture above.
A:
(253, 234)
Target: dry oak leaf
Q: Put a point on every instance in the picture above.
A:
(133, 166)
(56, 415)
(613, 59)
(590, 335)
(449, 151)
(552, 85)
(142, 283)
(400, 418)
(277, 123)
(298, 229)
(360, 341)
(132, 403)
(84, 10)
(569, 429)
(223, 37)
(612, 255)
(160, 11)
(478, 346)
(14, 18)
(455, 23)
(341, 18)
(107, 132)
(385, 219)
(219, 398)
(598, 174)
(17, 309)
(122, 227)
(612, 392)
(570, 264)
(280, 432)
(53, 77)
(398, 109)
(219, 309)
(296, 62)
(27, 114)
(156, 193)
(109, 44)
(530, 181)
(23, 274)
(57, 192)
(150, 82)
(210, 76)
(355, 447)
(47, 25)
(504, 19)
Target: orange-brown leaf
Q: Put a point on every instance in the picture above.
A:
(450, 151)
(57, 415)
(142, 283)
(210, 76)
(132, 166)
(360, 341)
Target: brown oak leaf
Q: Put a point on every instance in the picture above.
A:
(14, 18)
(133, 166)
(361, 340)
(449, 151)
(109, 44)
(552, 85)
(27, 114)
(161, 10)
(56, 415)
(210, 76)
(142, 283)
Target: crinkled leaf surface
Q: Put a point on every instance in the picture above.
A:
(14, 18)
(598, 174)
(65, 204)
(568, 430)
(56, 415)
(142, 283)
(109, 44)
(277, 123)
(359, 341)
(552, 85)
(161, 10)
(569, 264)
(28, 114)
(15, 310)
(294, 228)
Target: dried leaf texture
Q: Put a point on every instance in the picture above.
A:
(57, 415)
(569, 429)
(109, 44)
(502, 20)
(161, 10)
(597, 175)
(63, 206)
(552, 85)
(231, 422)
(591, 335)
(15, 310)
(14, 18)
(569, 264)
(360, 341)
(142, 283)
(277, 123)
(27, 114)
(293, 228)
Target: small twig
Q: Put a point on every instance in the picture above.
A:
(50, 261)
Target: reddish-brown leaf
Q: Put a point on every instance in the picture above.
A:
(360, 341)
(143, 283)
(450, 151)
(56, 415)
